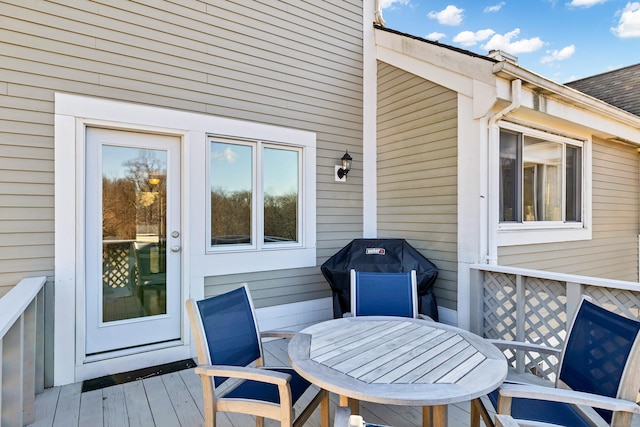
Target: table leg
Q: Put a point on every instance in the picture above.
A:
(435, 416)
(353, 404)
(440, 415)
(426, 416)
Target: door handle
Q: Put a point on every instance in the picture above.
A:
(175, 248)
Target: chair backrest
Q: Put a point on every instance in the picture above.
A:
(225, 329)
(384, 294)
(601, 355)
(150, 261)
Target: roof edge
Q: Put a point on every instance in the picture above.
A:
(435, 43)
(567, 92)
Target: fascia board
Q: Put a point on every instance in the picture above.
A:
(445, 67)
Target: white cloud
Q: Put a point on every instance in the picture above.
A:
(503, 42)
(469, 38)
(228, 155)
(584, 3)
(494, 8)
(435, 36)
(629, 24)
(450, 15)
(559, 55)
(385, 4)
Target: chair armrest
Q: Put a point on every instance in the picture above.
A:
(424, 317)
(567, 396)
(277, 334)
(246, 373)
(519, 345)
(503, 420)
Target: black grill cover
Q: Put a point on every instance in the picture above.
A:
(379, 255)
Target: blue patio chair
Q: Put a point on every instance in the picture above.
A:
(599, 370)
(228, 342)
(150, 275)
(384, 294)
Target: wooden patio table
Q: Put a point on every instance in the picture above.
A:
(398, 361)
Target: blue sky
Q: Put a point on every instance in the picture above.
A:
(562, 40)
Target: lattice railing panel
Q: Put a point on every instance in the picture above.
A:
(624, 302)
(545, 322)
(499, 306)
(117, 265)
(543, 304)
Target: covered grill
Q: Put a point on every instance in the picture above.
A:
(379, 255)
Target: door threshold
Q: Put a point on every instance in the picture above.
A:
(139, 374)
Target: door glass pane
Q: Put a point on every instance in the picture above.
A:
(133, 232)
(280, 195)
(231, 194)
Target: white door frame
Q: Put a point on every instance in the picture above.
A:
(73, 115)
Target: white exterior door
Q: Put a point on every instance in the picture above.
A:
(133, 240)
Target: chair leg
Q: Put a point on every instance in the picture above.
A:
(259, 421)
(478, 410)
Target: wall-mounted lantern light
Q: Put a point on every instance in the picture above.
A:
(342, 172)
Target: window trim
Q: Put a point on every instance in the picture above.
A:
(225, 261)
(529, 232)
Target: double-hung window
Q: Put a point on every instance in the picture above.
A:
(541, 181)
(256, 202)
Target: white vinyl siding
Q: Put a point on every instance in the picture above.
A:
(417, 171)
(287, 63)
(612, 253)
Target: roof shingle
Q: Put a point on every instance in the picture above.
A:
(620, 88)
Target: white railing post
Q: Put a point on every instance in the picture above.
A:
(574, 295)
(520, 323)
(21, 351)
(476, 316)
(12, 370)
(29, 363)
(39, 368)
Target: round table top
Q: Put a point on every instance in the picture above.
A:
(399, 361)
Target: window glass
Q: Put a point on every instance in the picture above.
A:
(509, 176)
(231, 193)
(542, 180)
(281, 195)
(574, 184)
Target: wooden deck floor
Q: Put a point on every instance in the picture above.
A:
(176, 400)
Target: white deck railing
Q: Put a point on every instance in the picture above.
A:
(21, 351)
(532, 305)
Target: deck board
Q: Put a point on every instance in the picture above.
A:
(68, 408)
(159, 403)
(175, 400)
(91, 409)
(114, 406)
(138, 411)
(186, 408)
